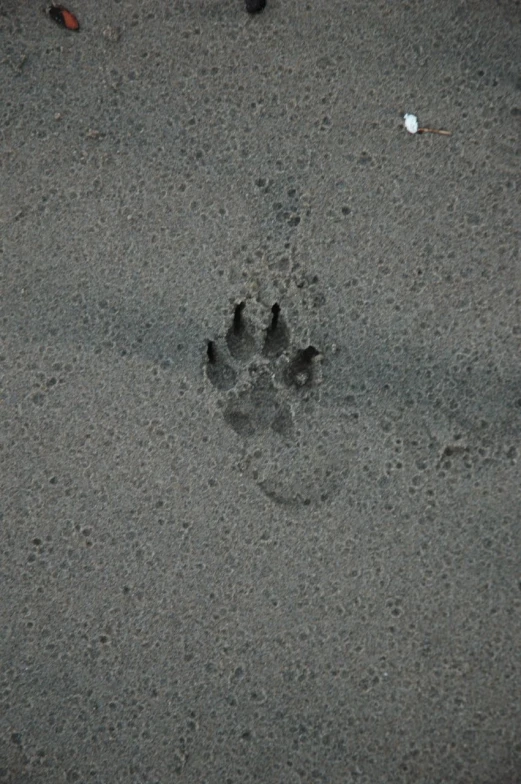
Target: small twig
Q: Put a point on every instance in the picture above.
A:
(434, 130)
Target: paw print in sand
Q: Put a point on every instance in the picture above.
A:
(270, 397)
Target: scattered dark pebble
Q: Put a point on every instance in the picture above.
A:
(255, 6)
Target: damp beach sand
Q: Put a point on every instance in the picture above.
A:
(260, 401)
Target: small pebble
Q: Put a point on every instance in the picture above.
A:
(255, 6)
(112, 34)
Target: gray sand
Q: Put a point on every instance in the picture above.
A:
(254, 569)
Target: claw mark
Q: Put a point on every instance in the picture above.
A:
(274, 318)
(300, 370)
(308, 354)
(238, 324)
(221, 375)
(277, 336)
(241, 343)
(211, 352)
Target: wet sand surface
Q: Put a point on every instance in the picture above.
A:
(278, 542)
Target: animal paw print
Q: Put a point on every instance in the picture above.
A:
(270, 393)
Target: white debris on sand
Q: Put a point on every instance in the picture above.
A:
(411, 123)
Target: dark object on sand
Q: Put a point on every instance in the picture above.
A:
(254, 6)
(63, 17)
